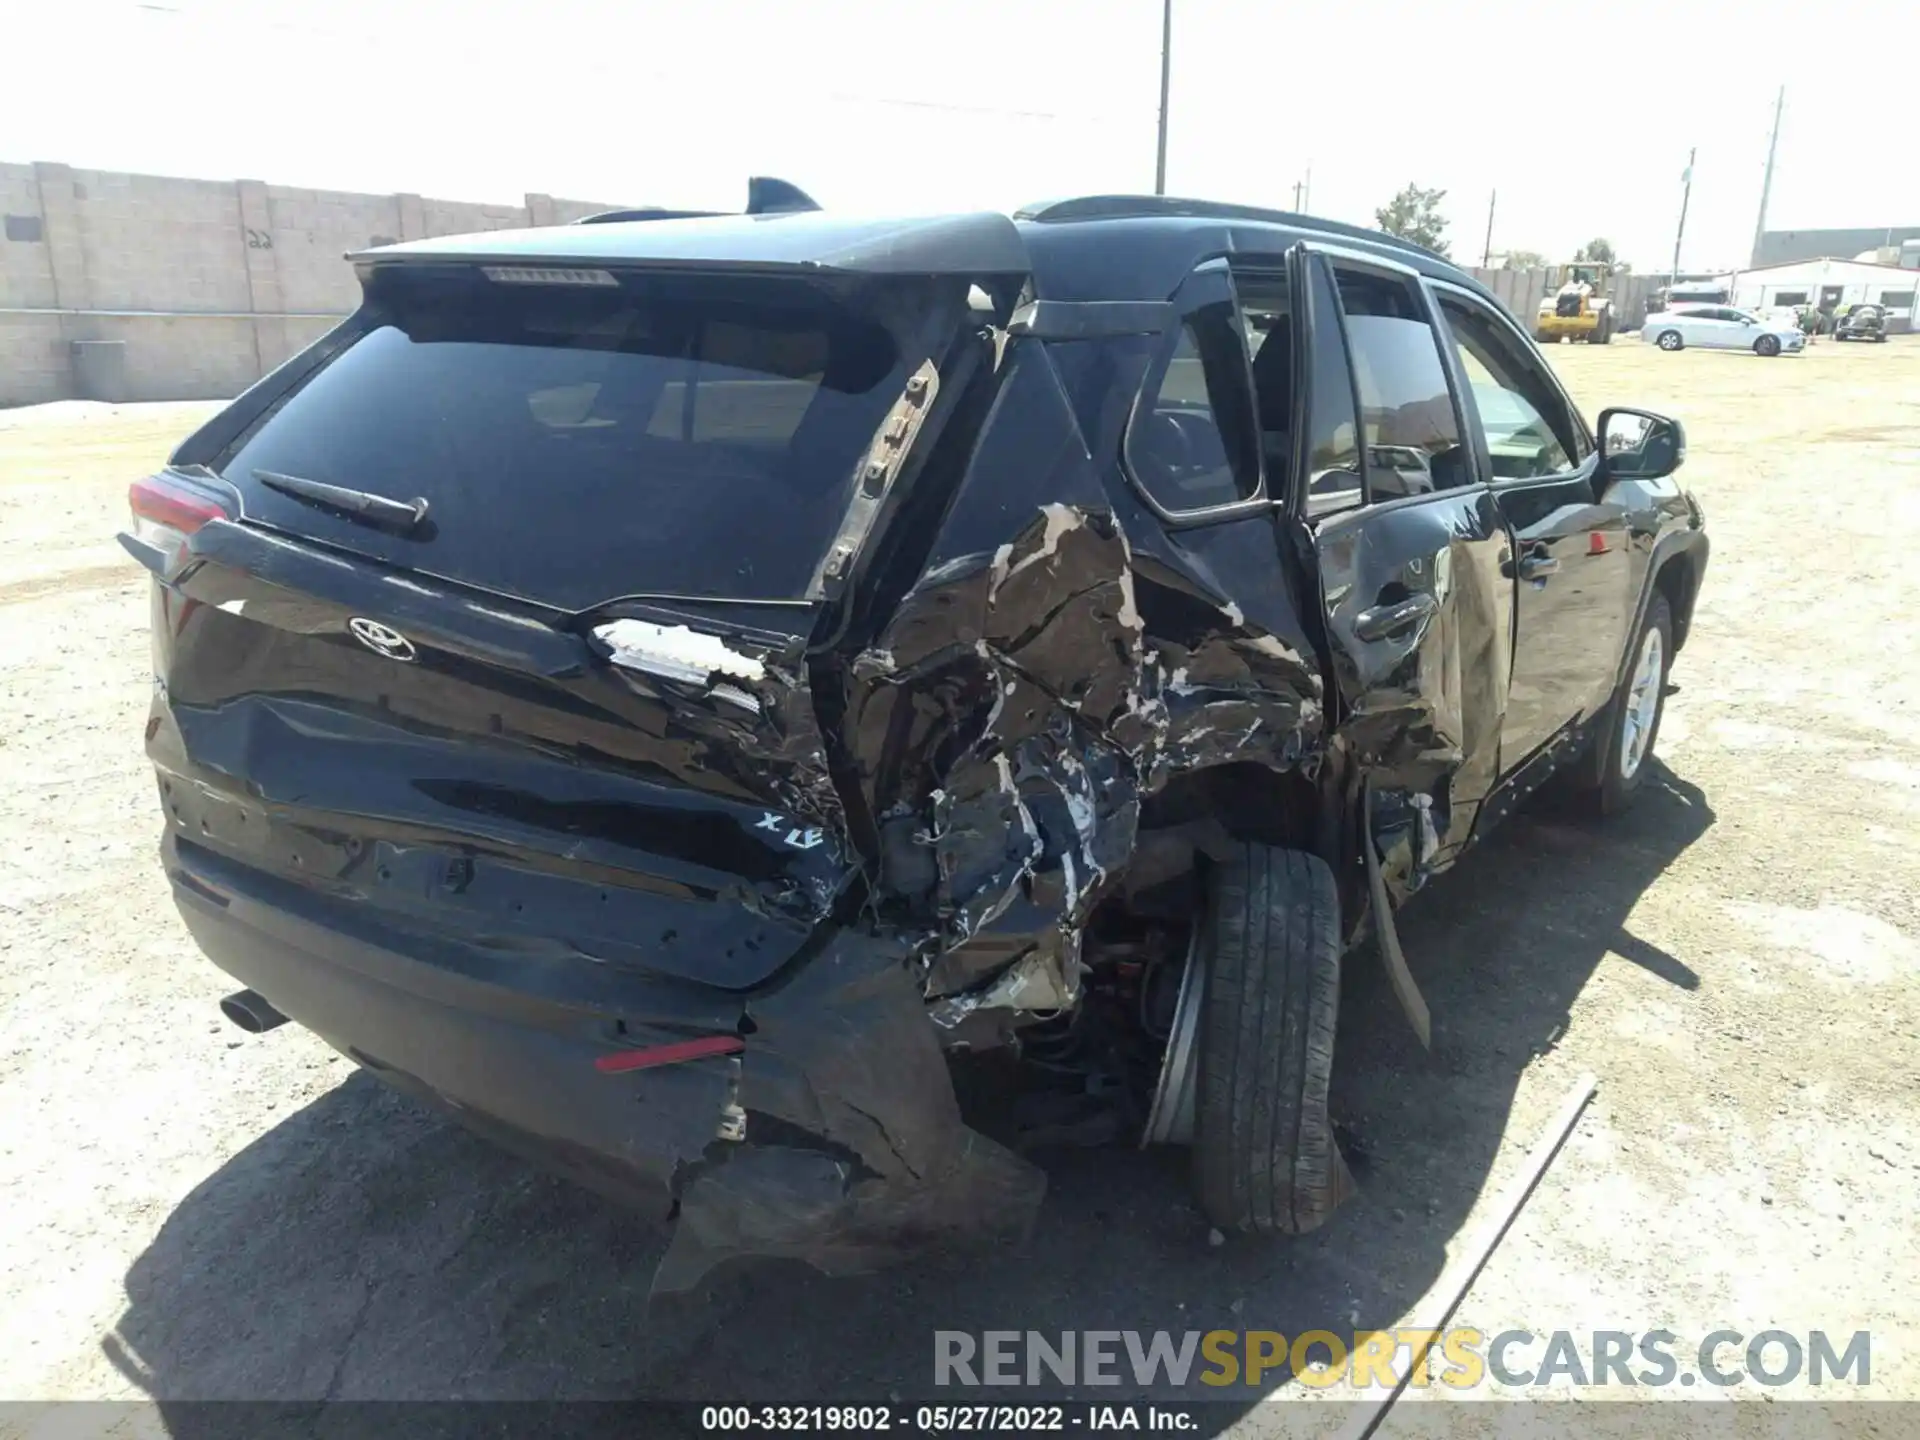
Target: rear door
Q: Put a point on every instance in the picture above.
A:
(570, 706)
(1411, 551)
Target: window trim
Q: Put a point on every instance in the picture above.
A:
(1582, 431)
(1313, 267)
(1256, 503)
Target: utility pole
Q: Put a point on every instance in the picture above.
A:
(1673, 277)
(1766, 185)
(1296, 197)
(1306, 195)
(1166, 77)
(1486, 250)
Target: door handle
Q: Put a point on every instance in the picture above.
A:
(1536, 567)
(1383, 621)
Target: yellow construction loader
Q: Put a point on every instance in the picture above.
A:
(1578, 306)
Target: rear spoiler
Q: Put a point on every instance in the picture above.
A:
(765, 196)
(782, 237)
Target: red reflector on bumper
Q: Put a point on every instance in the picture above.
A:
(623, 1060)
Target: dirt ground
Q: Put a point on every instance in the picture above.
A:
(186, 1212)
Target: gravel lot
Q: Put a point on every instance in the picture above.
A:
(186, 1212)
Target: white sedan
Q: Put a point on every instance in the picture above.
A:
(1720, 327)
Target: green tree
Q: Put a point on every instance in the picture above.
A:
(1414, 214)
(1523, 260)
(1600, 250)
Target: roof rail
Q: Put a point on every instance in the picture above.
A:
(765, 196)
(1118, 207)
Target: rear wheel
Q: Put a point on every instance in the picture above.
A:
(1669, 340)
(1264, 1155)
(1601, 333)
(1768, 345)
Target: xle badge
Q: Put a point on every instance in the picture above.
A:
(798, 839)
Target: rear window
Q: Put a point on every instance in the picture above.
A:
(577, 443)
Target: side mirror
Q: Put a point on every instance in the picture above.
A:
(1640, 445)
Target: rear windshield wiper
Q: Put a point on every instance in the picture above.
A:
(361, 505)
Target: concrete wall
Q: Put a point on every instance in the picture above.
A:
(206, 285)
(1521, 291)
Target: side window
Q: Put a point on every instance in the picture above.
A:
(1408, 425)
(1528, 429)
(1333, 435)
(1194, 444)
(1266, 314)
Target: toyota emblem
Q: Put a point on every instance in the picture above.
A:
(381, 639)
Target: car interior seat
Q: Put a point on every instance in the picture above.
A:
(1273, 395)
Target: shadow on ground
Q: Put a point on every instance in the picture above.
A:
(365, 1249)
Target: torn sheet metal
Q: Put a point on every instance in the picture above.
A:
(854, 1151)
(1034, 685)
(1044, 980)
(676, 652)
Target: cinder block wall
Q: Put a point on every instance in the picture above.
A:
(1521, 291)
(206, 284)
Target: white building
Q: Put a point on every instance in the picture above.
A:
(1831, 285)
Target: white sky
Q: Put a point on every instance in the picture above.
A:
(943, 104)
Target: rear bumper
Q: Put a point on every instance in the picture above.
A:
(854, 1148)
(517, 1068)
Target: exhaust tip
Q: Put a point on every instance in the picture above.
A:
(249, 1010)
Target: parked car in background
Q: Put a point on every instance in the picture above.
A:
(1862, 322)
(667, 690)
(1719, 327)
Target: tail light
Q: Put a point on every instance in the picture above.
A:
(166, 512)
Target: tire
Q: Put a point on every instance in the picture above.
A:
(1767, 345)
(1601, 333)
(1614, 769)
(1264, 1156)
(1670, 341)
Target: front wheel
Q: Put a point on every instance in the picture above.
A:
(1669, 340)
(1630, 725)
(1768, 345)
(1264, 1155)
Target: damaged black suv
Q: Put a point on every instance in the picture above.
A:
(697, 696)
